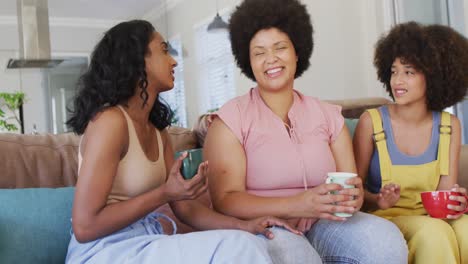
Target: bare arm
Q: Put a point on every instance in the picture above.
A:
(102, 151)
(448, 181)
(227, 177)
(363, 149)
(201, 217)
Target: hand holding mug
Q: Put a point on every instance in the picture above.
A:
(463, 207)
(177, 188)
(356, 192)
(352, 187)
(319, 202)
(445, 204)
(191, 162)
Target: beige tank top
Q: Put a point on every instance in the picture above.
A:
(136, 174)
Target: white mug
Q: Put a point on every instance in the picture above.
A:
(341, 178)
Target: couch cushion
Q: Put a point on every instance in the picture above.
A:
(463, 169)
(353, 108)
(351, 123)
(38, 160)
(35, 224)
(182, 138)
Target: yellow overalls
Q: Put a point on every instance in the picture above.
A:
(430, 240)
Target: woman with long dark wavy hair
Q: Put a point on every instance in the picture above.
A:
(127, 170)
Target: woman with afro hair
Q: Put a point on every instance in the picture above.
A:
(412, 146)
(270, 150)
(127, 169)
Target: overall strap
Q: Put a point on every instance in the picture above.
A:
(445, 131)
(380, 140)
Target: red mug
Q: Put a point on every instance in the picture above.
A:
(436, 203)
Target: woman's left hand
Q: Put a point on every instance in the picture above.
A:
(357, 193)
(459, 198)
(261, 226)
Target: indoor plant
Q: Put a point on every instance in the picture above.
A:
(11, 111)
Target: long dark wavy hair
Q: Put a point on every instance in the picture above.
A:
(116, 70)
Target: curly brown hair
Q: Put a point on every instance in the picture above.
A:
(289, 16)
(439, 52)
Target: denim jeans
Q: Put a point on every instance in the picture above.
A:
(145, 242)
(287, 247)
(362, 238)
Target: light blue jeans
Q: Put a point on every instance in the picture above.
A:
(361, 239)
(287, 247)
(145, 242)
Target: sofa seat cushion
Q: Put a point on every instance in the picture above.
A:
(35, 224)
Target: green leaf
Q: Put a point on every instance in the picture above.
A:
(11, 101)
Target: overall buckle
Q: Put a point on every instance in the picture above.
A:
(379, 136)
(444, 129)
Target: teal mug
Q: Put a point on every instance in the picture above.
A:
(190, 164)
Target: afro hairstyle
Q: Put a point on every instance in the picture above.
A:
(289, 16)
(439, 52)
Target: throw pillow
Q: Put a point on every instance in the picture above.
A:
(35, 224)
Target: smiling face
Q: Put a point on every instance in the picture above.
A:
(408, 84)
(159, 64)
(273, 59)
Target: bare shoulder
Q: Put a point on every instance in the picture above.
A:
(455, 122)
(219, 134)
(456, 128)
(111, 116)
(107, 127)
(364, 123)
(219, 130)
(217, 124)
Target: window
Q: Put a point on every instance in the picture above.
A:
(216, 67)
(175, 98)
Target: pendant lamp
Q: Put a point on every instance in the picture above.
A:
(218, 23)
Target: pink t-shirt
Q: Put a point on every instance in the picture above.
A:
(279, 164)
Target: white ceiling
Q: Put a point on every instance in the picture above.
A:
(91, 9)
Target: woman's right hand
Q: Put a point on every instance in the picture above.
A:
(177, 188)
(318, 202)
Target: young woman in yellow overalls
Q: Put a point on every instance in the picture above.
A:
(412, 146)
